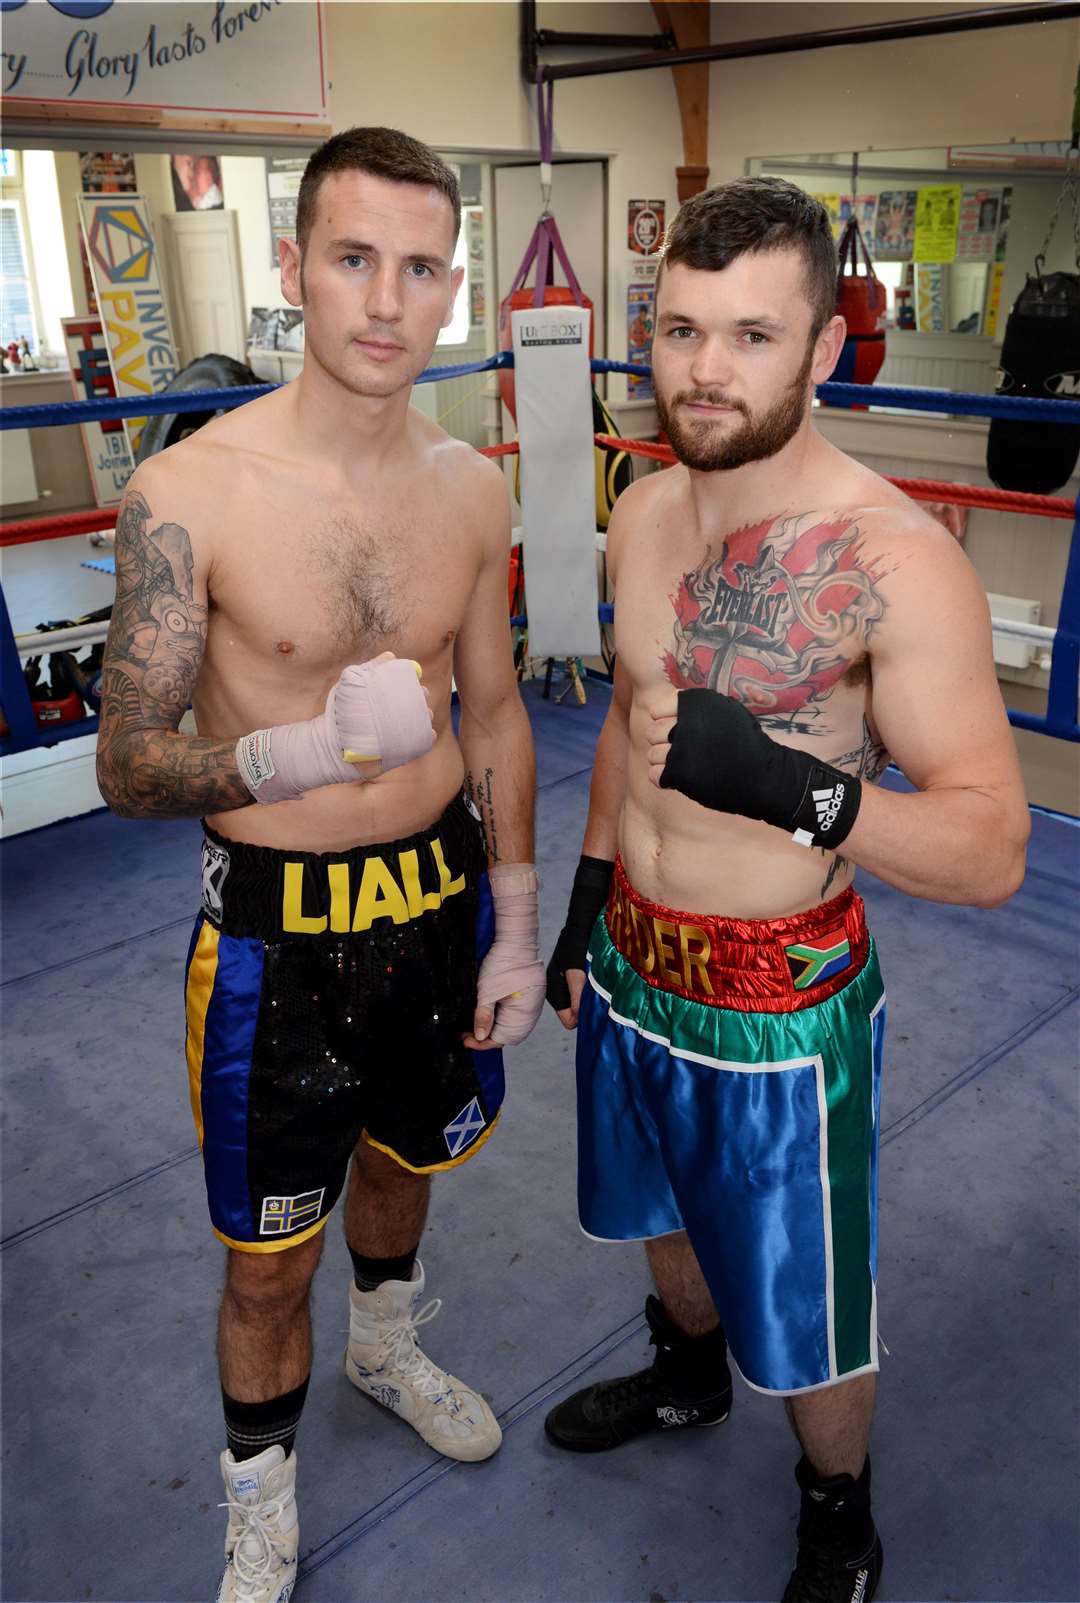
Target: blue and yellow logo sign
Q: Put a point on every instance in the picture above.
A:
(121, 244)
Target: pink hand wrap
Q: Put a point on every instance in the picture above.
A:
(377, 713)
(512, 978)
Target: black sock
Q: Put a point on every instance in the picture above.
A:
(253, 1427)
(369, 1273)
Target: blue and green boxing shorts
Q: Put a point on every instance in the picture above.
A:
(729, 1081)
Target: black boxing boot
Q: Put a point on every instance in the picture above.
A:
(839, 1558)
(689, 1383)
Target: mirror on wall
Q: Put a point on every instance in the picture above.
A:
(951, 231)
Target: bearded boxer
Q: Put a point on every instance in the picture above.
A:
(785, 620)
(309, 571)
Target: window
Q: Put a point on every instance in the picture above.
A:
(16, 293)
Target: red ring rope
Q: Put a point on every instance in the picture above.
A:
(25, 531)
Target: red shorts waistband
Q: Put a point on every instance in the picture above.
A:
(754, 965)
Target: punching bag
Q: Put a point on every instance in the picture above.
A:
(1040, 357)
(521, 300)
(861, 302)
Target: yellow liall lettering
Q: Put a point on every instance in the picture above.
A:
(293, 917)
(420, 902)
(447, 886)
(380, 896)
(340, 909)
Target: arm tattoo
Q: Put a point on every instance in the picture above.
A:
(481, 794)
(777, 618)
(157, 638)
(868, 761)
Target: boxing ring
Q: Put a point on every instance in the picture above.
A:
(111, 1407)
(1060, 719)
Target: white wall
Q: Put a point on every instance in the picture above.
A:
(243, 180)
(465, 57)
(449, 74)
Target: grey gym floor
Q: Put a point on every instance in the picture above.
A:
(111, 1421)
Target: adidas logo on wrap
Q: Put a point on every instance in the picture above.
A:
(828, 803)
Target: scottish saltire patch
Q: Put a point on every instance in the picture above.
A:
(283, 1214)
(463, 1131)
(810, 965)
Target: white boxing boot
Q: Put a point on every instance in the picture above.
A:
(263, 1535)
(384, 1360)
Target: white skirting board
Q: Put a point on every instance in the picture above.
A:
(43, 786)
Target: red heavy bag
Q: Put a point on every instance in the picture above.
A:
(520, 300)
(543, 248)
(861, 302)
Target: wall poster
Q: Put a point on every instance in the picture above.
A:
(644, 226)
(640, 323)
(937, 223)
(894, 224)
(107, 172)
(283, 175)
(196, 183)
(980, 214)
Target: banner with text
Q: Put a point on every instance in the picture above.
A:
(261, 59)
(108, 455)
(123, 261)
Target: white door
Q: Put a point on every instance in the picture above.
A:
(202, 254)
(579, 207)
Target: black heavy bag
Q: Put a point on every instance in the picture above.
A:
(213, 372)
(1040, 358)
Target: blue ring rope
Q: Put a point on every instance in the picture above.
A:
(1025, 408)
(182, 401)
(1061, 715)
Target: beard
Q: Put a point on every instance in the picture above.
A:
(762, 435)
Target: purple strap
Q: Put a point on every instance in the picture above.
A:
(545, 236)
(851, 242)
(546, 119)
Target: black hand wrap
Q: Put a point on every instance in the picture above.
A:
(722, 758)
(587, 899)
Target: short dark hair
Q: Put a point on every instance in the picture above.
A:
(750, 215)
(382, 152)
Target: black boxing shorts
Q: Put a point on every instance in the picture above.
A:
(327, 996)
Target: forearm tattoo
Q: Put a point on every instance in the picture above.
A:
(481, 794)
(156, 642)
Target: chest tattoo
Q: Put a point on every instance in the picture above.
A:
(778, 617)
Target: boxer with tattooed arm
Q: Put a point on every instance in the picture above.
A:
(368, 937)
(785, 621)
